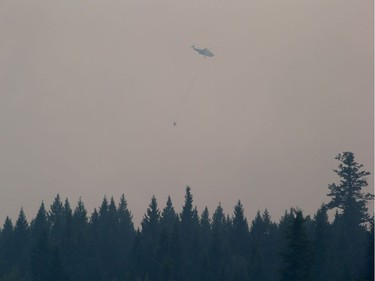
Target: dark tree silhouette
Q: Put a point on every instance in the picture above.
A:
(65, 243)
(298, 257)
(348, 197)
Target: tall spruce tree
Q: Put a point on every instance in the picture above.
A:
(21, 242)
(264, 255)
(79, 251)
(349, 197)
(189, 230)
(56, 220)
(321, 239)
(205, 228)
(168, 216)
(218, 248)
(150, 238)
(40, 256)
(39, 224)
(125, 235)
(298, 256)
(109, 251)
(6, 247)
(150, 223)
(187, 216)
(239, 231)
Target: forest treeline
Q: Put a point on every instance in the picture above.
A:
(65, 243)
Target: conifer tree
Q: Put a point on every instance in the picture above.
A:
(218, 247)
(264, 252)
(187, 215)
(56, 220)
(205, 226)
(125, 235)
(239, 231)
(348, 197)
(39, 224)
(21, 242)
(175, 253)
(257, 236)
(93, 272)
(150, 236)
(40, 255)
(189, 227)
(103, 210)
(80, 215)
(168, 216)
(298, 257)
(79, 252)
(151, 220)
(108, 247)
(6, 247)
(321, 241)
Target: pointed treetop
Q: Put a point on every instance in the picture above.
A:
(21, 220)
(205, 217)
(103, 207)
(8, 225)
(67, 209)
(123, 204)
(112, 206)
(151, 218)
(40, 220)
(188, 215)
(123, 208)
(80, 213)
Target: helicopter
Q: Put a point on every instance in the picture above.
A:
(204, 52)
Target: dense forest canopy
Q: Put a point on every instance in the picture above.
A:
(66, 243)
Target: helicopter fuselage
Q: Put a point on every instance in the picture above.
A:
(204, 52)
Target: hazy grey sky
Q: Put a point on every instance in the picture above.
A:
(89, 91)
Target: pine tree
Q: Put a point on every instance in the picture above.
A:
(239, 237)
(80, 215)
(189, 231)
(187, 216)
(239, 231)
(321, 236)
(22, 242)
(56, 220)
(348, 196)
(40, 255)
(257, 236)
(175, 253)
(205, 228)
(150, 236)
(126, 234)
(164, 270)
(109, 252)
(205, 234)
(79, 250)
(298, 257)
(39, 224)
(218, 250)
(264, 252)
(7, 257)
(137, 262)
(151, 220)
(94, 273)
(168, 216)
